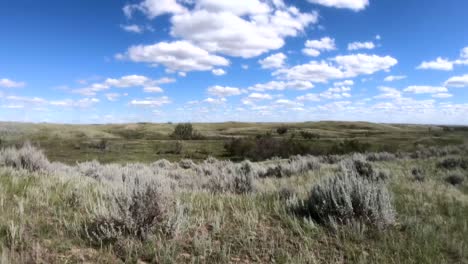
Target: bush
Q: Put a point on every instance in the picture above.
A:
(309, 135)
(358, 166)
(135, 213)
(455, 179)
(282, 130)
(350, 146)
(27, 157)
(345, 198)
(453, 163)
(418, 174)
(185, 131)
(382, 156)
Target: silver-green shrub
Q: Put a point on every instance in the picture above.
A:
(346, 197)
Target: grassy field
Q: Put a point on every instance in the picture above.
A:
(149, 142)
(222, 212)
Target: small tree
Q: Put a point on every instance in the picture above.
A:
(183, 131)
(282, 130)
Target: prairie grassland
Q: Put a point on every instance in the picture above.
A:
(381, 208)
(146, 142)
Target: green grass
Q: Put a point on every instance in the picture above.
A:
(42, 217)
(48, 213)
(146, 142)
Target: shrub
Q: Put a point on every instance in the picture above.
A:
(27, 157)
(382, 156)
(228, 177)
(136, 211)
(345, 197)
(185, 131)
(350, 146)
(282, 130)
(309, 135)
(453, 163)
(358, 166)
(418, 174)
(455, 179)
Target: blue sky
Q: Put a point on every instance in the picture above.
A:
(109, 61)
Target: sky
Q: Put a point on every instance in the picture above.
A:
(110, 61)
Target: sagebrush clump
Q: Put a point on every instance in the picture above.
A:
(27, 157)
(345, 198)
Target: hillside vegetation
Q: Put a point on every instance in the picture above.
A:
(406, 206)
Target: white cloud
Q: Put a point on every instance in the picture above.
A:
(255, 97)
(344, 83)
(112, 96)
(309, 97)
(392, 78)
(281, 85)
(176, 56)
(154, 8)
(218, 72)
(442, 95)
(314, 47)
(251, 7)
(357, 64)
(123, 82)
(245, 36)
(153, 89)
(151, 102)
(355, 5)
(223, 91)
(287, 103)
(132, 28)
(319, 72)
(439, 64)
(388, 93)
(7, 83)
(425, 89)
(464, 53)
(273, 61)
(361, 45)
(457, 81)
(215, 100)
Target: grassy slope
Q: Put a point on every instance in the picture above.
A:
(42, 218)
(148, 142)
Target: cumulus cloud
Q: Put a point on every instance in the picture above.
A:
(355, 5)
(388, 93)
(314, 47)
(442, 95)
(439, 64)
(132, 28)
(309, 97)
(151, 102)
(218, 72)
(176, 56)
(457, 81)
(223, 91)
(357, 64)
(7, 83)
(392, 78)
(344, 83)
(361, 45)
(239, 28)
(417, 89)
(154, 8)
(255, 97)
(314, 71)
(112, 96)
(153, 89)
(123, 82)
(281, 85)
(273, 61)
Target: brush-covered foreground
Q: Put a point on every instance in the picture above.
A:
(360, 208)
